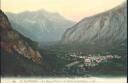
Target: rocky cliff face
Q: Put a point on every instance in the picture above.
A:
(103, 29)
(12, 42)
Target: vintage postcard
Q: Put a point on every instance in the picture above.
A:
(63, 41)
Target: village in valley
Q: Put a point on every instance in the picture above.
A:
(90, 60)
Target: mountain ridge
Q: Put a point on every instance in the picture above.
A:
(12, 42)
(46, 26)
(99, 28)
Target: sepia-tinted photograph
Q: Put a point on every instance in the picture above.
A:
(63, 39)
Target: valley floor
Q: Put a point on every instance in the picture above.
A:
(66, 61)
(77, 61)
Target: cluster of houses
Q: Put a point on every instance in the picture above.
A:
(92, 60)
(95, 60)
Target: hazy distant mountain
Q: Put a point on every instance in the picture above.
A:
(105, 28)
(40, 25)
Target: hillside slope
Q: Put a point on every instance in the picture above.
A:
(18, 54)
(108, 28)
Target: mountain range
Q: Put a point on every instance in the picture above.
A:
(40, 25)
